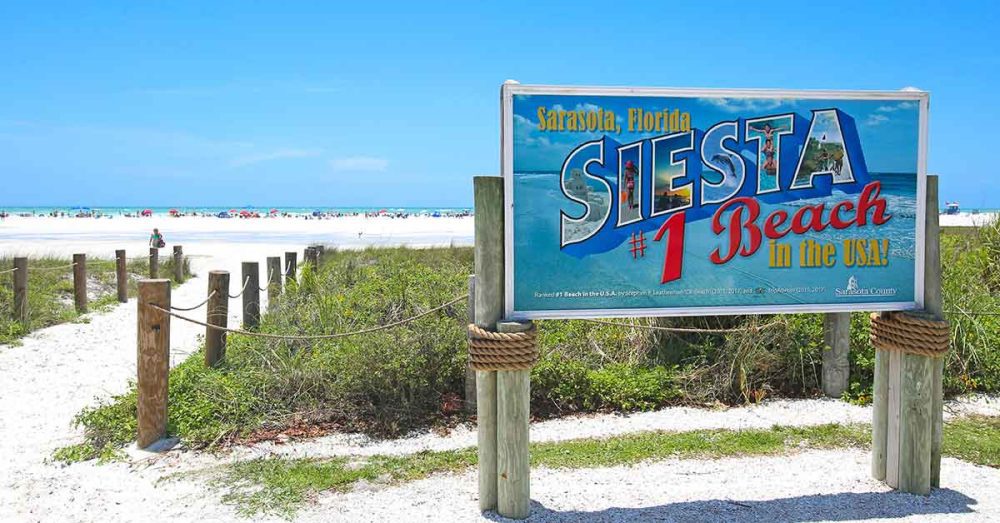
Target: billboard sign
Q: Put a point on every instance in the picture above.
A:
(666, 202)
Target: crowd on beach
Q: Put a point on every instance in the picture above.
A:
(242, 214)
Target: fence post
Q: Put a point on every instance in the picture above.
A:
(121, 274)
(21, 290)
(470, 373)
(251, 295)
(291, 264)
(914, 385)
(154, 263)
(934, 304)
(513, 416)
(488, 230)
(218, 315)
(80, 282)
(178, 263)
(836, 364)
(312, 256)
(154, 361)
(273, 279)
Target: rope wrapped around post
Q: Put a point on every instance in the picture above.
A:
(910, 333)
(489, 350)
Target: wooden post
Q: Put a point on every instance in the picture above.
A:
(80, 282)
(880, 414)
(312, 257)
(934, 304)
(21, 290)
(274, 279)
(218, 315)
(513, 416)
(154, 263)
(178, 263)
(836, 366)
(154, 361)
(911, 385)
(489, 265)
(470, 373)
(121, 274)
(251, 295)
(291, 264)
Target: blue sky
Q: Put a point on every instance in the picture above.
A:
(371, 103)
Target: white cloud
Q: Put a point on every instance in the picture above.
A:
(280, 154)
(876, 119)
(359, 164)
(897, 107)
(739, 105)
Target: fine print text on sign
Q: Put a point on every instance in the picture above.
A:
(638, 202)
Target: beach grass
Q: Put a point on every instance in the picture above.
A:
(390, 382)
(50, 292)
(281, 486)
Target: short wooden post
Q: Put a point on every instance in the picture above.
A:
(836, 366)
(312, 257)
(21, 289)
(178, 263)
(880, 414)
(154, 263)
(291, 265)
(934, 304)
(470, 373)
(912, 388)
(251, 295)
(513, 416)
(218, 315)
(489, 265)
(273, 280)
(154, 361)
(80, 282)
(121, 275)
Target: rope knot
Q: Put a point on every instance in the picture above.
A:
(911, 333)
(489, 350)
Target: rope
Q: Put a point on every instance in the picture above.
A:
(244, 289)
(684, 329)
(490, 350)
(310, 336)
(268, 280)
(9, 270)
(909, 333)
(195, 307)
(60, 267)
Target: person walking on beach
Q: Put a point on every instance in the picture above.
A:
(156, 239)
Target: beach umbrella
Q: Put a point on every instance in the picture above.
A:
(173, 212)
(147, 212)
(274, 211)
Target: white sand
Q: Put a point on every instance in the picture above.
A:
(965, 219)
(59, 370)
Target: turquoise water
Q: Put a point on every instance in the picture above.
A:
(116, 211)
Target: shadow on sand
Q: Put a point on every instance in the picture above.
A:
(820, 507)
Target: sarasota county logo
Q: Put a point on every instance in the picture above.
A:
(853, 289)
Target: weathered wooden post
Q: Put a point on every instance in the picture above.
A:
(154, 263)
(907, 410)
(489, 249)
(513, 417)
(470, 373)
(291, 265)
(312, 257)
(251, 295)
(836, 365)
(154, 361)
(273, 279)
(934, 305)
(178, 263)
(80, 282)
(21, 289)
(121, 275)
(218, 315)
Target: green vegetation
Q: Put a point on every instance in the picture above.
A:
(50, 292)
(281, 486)
(389, 382)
